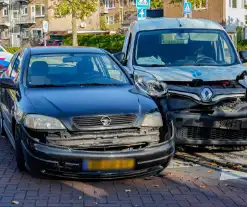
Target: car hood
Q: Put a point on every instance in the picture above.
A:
(74, 101)
(188, 73)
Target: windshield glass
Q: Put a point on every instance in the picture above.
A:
(74, 69)
(181, 47)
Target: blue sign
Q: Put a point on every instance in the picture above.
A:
(143, 4)
(141, 14)
(187, 8)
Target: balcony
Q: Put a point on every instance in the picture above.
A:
(24, 20)
(4, 2)
(4, 21)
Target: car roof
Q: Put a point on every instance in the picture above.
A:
(174, 23)
(48, 50)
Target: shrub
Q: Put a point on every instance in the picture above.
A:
(242, 45)
(12, 49)
(111, 43)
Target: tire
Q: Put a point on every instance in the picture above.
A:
(18, 152)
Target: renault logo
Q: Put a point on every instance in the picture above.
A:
(106, 121)
(206, 94)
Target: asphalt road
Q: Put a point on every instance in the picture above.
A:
(201, 182)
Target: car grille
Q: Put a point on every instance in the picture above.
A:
(204, 133)
(95, 121)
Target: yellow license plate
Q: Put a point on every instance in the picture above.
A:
(125, 164)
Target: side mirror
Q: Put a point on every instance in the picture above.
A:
(120, 56)
(243, 56)
(7, 83)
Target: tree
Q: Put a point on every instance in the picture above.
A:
(78, 9)
(157, 4)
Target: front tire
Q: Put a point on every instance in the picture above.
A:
(18, 151)
(2, 132)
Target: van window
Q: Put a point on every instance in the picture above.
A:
(182, 47)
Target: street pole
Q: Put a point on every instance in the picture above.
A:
(45, 39)
(185, 15)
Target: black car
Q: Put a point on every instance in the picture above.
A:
(75, 112)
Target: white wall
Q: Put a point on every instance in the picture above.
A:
(236, 16)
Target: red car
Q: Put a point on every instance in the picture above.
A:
(53, 43)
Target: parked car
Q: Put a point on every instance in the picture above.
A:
(193, 71)
(75, 112)
(53, 43)
(5, 58)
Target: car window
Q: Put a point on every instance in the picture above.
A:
(2, 49)
(181, 47)
(74, 69)
(16, 68)
(10, 66)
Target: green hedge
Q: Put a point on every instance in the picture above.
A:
(242, 45)
(12, 49)
(111, 43)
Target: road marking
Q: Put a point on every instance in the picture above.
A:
(232, 174)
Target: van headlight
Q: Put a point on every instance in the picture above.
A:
(149, 84)
(152, 120)
(34, 121)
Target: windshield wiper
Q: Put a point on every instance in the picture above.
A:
(155, 65)
(48, 86)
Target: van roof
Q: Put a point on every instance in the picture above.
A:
(174, 23)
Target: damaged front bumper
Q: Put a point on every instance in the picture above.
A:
(65, 157)
(199, 129)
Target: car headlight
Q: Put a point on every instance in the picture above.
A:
(152, 120)
(34, 121)
(149, 84)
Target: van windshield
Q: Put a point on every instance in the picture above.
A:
(184, 47)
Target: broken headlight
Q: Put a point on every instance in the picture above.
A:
(149, 84)
(152, 120)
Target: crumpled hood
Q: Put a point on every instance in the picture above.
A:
(188, 73)
(67, 102)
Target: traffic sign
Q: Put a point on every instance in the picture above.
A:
(143, 4)
(45, 26)
(187, 8)
(141, 14)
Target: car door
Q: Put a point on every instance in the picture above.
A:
(4, 93)
(10, 95)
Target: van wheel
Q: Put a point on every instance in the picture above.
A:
(18, 152)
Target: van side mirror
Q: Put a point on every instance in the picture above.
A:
(8, 83)
(120, 56)
(243, 56)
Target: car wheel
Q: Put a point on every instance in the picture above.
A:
(18, 152)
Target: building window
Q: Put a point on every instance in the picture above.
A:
(37, 33)
(5, 11)
(245, 19)
(233, 4)
(109, 4)
(5, 34)
(201, 4)
(39, 10)
(133, 2)
(24, 10)
(25, 33)
(110, 19)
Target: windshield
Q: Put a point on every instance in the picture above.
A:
(74, 69)
(182, 47)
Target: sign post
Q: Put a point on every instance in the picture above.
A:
(45, 29)
(142, 6)
(187, 8)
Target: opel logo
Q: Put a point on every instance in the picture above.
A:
(206, 94)
(106, 121)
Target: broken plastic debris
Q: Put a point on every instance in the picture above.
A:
(127, 190)
(15, 202)
(203, 186)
